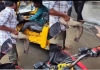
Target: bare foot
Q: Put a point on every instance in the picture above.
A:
(81, 21)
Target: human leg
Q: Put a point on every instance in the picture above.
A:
(13, 54)
(26, 25)
(69, 11)
(80, 8)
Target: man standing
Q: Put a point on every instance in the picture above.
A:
(8, 22)
(78, 5)
(58, 12)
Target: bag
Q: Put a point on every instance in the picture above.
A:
(55, 29)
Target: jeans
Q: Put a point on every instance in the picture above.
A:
(78, 9)
(27, 24)
(69, 11)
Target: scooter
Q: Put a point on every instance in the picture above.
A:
(60, 59)
(36, 33)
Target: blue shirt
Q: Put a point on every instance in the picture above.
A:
(38, 16)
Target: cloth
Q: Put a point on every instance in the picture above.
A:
(9, 19)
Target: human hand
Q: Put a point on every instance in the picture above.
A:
(98, 29)
(66, 17)
(15, 32)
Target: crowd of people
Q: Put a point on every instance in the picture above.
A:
(58, 11)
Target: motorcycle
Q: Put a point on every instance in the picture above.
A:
(62, 60)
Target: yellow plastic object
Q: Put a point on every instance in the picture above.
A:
(34, 11)
(39, 38)
(62, 65)
(44, 35)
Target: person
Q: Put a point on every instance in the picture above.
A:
(8, 22)
(58, 13)
(36, 18)
(2, 6)
(78, 5)
(70, 9)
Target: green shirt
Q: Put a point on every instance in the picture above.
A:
(38, 16)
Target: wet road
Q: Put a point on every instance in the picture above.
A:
(37, 54)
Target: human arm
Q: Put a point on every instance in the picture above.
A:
(3, 27)
(3, 19)
(38, 13)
